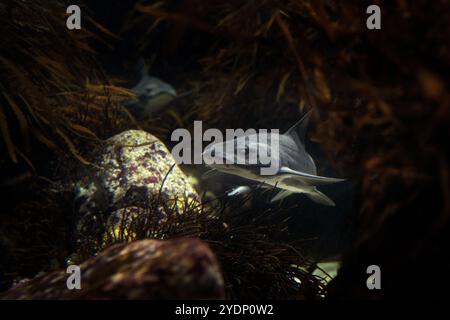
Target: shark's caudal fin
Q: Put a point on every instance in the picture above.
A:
(320, 198)
(298, 130)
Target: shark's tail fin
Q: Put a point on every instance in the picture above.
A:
(320, 198)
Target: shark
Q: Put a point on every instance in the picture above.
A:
(152, 94)
(296, 173)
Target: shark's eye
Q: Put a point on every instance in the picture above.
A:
(213, 152)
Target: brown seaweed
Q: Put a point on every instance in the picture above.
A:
(52, 88)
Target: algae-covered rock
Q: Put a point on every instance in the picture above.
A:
(135, 165)
(147, 269)
(133, 169)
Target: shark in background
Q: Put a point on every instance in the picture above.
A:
(297, 172)
(152, 94)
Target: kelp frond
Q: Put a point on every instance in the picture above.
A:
(51, 88)
(257, 258)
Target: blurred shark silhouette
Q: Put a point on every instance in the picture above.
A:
(152, 94)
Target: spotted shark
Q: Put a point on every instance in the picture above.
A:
(296, 173)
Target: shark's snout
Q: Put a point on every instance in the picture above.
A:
(207, 160)
(171, 91)
(212, 155)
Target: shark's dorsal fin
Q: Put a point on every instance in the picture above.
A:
(298, 130)
(142, 67)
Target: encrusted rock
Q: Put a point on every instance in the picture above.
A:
(135, 163)
(133, 168)
(146, 269)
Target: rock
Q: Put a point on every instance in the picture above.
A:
(146, 269)
(133, 164)
(133, 168)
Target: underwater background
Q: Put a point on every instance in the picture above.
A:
(87, 178)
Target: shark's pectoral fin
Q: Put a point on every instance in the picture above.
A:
(281, 195)
(241, 190)
(320, 198)
(306, 178)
